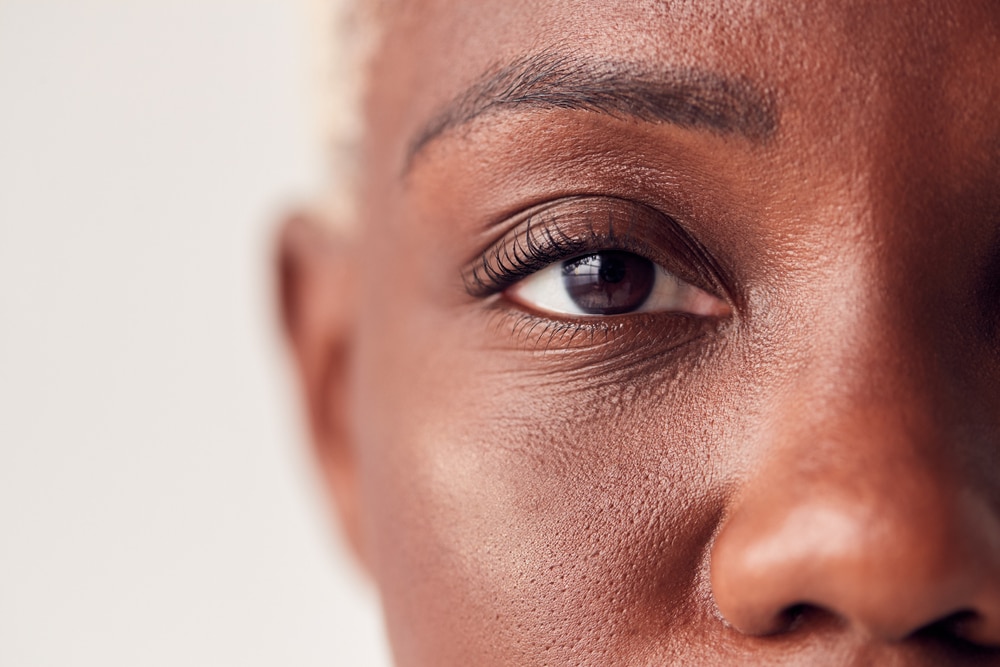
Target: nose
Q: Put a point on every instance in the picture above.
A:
(860, 515)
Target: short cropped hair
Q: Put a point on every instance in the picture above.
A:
(345, 35)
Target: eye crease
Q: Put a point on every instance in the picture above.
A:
(612, 282)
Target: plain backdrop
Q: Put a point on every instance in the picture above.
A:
(157, 505)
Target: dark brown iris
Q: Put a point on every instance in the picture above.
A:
(609, 282)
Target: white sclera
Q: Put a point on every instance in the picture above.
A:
(545, 291)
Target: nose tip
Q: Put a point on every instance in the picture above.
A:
(891, 570)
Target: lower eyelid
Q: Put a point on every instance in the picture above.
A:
(601, 346)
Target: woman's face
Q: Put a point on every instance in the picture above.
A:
(674, 333)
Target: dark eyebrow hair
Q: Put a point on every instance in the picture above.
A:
(551, 80)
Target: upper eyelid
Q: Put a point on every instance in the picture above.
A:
(559, 229)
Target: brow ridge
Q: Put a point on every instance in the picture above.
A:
(685, 97)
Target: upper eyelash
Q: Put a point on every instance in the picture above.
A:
(576, 225)
(512, 262)
(504, 264)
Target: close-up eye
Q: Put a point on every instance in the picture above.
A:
(612, 282)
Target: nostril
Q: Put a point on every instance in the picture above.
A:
(793, 617)
(800, 617)
(957, 629)
(810, 617)
(790, 560)
(949, 628)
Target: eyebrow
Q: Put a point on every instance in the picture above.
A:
(687, 98)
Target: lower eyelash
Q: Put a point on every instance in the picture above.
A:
(537, 333)
(596, 347)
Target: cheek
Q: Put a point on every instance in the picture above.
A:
(517, 517)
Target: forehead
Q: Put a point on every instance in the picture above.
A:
(838, 68)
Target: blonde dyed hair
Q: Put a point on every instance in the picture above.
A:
(344, 35)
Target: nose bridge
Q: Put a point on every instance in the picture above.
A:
(862, 444)
(861, 497)
(870, 384)
(858, 468)
(856, 503)
(872, 399)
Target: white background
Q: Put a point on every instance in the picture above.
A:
(156, 501)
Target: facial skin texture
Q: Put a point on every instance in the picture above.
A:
(810, 478)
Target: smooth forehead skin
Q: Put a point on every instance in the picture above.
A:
(812, 480)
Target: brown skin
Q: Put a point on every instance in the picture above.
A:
(810, 479)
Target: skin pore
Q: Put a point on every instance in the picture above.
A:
(764, 428)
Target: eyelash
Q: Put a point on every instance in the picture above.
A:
(509, 265)
(574, 226)
(542, 242)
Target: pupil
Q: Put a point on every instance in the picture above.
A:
(609, 282)
(612, 271)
